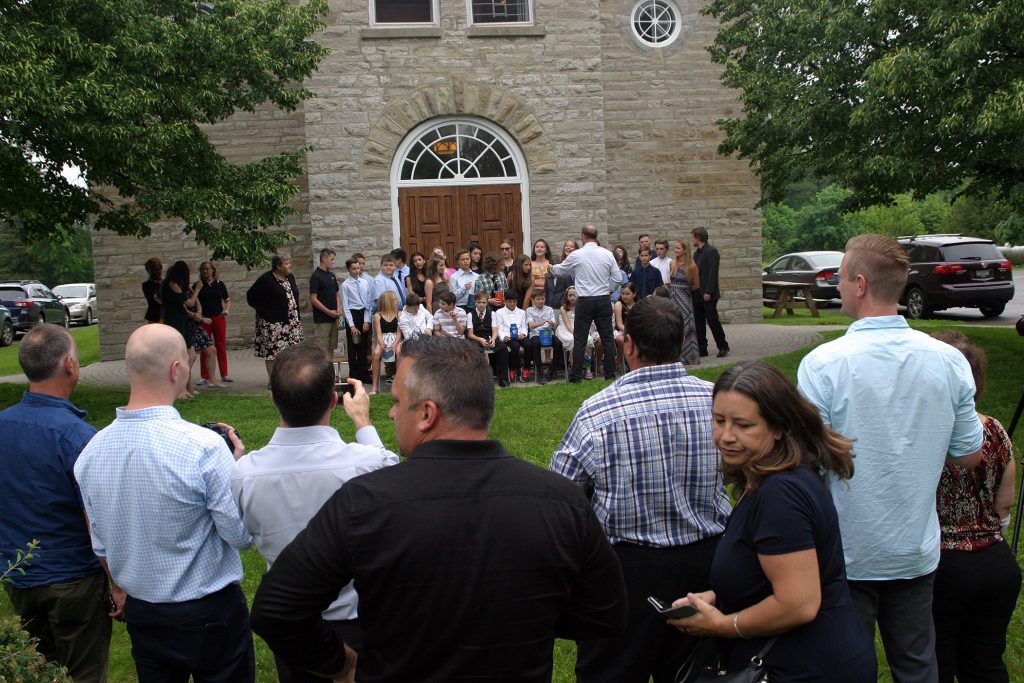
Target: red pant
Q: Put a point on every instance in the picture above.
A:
(218, 330)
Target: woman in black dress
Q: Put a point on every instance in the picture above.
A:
(779, 569)
(275, 296)
(178, 301)
(151, 289)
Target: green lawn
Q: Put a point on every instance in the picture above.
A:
(87, 338)
(530, 422)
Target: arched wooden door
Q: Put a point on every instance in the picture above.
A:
(459, 181)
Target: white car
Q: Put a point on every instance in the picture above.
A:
(80, 298)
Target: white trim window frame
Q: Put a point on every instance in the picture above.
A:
(504, 12)
(655, 23)
(435, 16)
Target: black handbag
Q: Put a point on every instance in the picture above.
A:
(754, 672)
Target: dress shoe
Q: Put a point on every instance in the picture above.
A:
(703, 354)
(722, 353)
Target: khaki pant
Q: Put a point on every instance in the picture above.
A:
(328, 334)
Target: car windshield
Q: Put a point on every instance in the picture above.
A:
(971, 252)
(71, 291)
(826, 260)
(8, 293)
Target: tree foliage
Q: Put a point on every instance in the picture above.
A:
(882, 96)
(122, 88)
(63, 259)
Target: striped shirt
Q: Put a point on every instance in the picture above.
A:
(157, 491)
(643, 446)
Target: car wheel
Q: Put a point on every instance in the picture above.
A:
(917, 305)
(992, 310)
(7, 334)
(67, 320)
(88, 317)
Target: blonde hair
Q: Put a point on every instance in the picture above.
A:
(387, 304)
(882, 261)
(689, 265)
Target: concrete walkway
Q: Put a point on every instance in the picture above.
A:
(747, 341)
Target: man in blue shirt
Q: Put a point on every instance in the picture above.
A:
(907, 401)
(641, 450)
(63, 597)
(157, 491)
(387, 281)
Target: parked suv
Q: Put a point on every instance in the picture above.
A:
(948, 271)
(31, 302)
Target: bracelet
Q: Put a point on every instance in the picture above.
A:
(736, 625)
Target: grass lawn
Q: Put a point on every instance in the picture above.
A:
(530, 423)
(87, 338)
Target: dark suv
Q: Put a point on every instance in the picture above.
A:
(948, 271)
(31, 302)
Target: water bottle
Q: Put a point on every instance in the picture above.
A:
(513, 331)
(356, 337)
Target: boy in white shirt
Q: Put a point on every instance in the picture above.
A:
(463, 281)
(538, 317)
(503, 320)
(415, 320)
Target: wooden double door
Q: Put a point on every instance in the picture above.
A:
(452, 217)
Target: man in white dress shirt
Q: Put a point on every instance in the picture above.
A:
(280, 487)
(596, 275)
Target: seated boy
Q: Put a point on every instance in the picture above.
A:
(503, 320)
(480, 329)
(538, 317)
(449, 320)
(415, 320)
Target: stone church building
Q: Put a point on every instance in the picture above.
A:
(438, 122)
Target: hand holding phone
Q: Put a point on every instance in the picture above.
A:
(669, 611)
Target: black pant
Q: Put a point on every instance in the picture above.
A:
(507, 356)
(649, 646)
(592, 309)
(705, 315)
(348, 632)
(556, 352)
(358, 355)
(975, 594)
(208, 639)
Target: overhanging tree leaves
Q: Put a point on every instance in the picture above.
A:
(881, 96)
(120, 89)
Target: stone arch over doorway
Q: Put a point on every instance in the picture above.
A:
(455, 97)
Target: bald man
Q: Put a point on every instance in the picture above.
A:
(157, 491)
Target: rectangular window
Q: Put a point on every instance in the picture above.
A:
(500, 11)
(404, 11)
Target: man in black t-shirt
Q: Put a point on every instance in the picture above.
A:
(326, 300)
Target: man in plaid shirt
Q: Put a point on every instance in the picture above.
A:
(641, 450)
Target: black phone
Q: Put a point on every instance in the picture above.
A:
(345, 388)
(223, 433)
(669, 611)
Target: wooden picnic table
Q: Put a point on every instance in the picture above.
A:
(785, 297)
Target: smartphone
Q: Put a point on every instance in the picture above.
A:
(669, 611)
(346, 388)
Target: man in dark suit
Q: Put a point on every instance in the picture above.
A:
(705, 307)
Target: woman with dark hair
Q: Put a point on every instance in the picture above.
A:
(779, 575)
(416, 281)
(476, 255)
(521, 281)
(492, 282)
(179, 312)
(622, 261)
(978, 579)
(437, 282)
(275, 296)
(151, 289)
(214, 304)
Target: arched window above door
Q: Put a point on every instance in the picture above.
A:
(458, 151)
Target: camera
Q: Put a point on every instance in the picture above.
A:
(343, 389)
(223, 433)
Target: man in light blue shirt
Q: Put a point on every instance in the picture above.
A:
(157, 491)
(280, 487)
(908, 402)
(387, 281)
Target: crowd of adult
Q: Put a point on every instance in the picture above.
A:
(872, 494)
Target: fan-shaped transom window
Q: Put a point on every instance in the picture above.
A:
(655, 22)
(458, 151)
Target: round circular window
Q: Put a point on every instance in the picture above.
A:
(655, 22)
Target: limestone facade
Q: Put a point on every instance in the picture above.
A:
(613, 133)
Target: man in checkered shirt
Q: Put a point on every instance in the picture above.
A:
(641, 450)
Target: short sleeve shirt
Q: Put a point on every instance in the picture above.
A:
(324, 284)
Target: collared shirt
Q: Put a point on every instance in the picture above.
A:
(413, 326)
(281, 486)
(643, 447)
(457, 284)
(907, 400)
(158, 493)
(448, 322)
(489, 283)
(593, 268)
(504, 319)
(42, 437)
(355, 292)
(664, 266)
(382, 283)
(540, 315)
